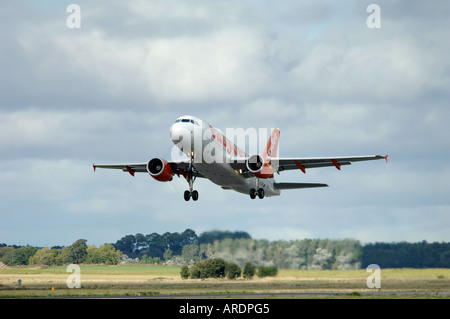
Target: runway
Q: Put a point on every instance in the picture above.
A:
(306, 295)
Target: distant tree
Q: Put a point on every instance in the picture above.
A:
(155, 245)
(77, 252)
(188, 237)
(168, 254)
(322, 259)
(210, 237)
(109, 255)
(249, 270)
(210, 268)
(270, 271)
(127, 245)
(150, 260)
(105, 254)
(19, 256)
(403, 254)
(190, 252)
(184, 272)
(232, 270)
(3, 250)
(444, 259)
(92, 256)
(176, 241)
(44, 256)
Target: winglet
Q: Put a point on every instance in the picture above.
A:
(385, 157)
(93, 165)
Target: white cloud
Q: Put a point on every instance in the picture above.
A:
(227, 62)
(384, 71)
(62, 134)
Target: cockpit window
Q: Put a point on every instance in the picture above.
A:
(187, 121)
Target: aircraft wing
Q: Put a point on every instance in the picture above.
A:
(130, 168)
(282, 164)
(178, 167)
(297, 185)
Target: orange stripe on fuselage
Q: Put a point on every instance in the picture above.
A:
(226, 143)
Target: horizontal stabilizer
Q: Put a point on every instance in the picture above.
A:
(297, 185)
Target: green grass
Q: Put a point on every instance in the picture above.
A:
(128, 269)
(146, 280)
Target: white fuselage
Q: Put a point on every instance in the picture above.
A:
(213, 154)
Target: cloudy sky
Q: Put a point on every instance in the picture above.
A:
(109, 91)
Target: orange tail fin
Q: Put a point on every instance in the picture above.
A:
(272, 145)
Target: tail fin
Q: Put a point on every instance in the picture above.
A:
(272, 145)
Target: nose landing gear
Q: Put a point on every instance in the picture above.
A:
(191, 176)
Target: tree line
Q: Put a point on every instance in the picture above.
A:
(240, 248)
(219, 268)
(237, 248)
(407, 255)
(77, 253)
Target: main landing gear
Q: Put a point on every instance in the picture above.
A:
(191, 176)
(254, 192)
(257, 191)
(189, 194)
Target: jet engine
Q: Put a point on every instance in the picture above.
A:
(160, 170)
(255, 164)
(257, 167)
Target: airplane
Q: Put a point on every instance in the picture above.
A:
(212, 156)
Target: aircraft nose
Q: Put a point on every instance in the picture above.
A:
(179, 132)
(174, 136)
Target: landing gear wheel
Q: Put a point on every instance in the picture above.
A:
(194, 195)
(252, 193)
(187, 195)
(260, 193)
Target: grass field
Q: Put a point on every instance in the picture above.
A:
(139, 280)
